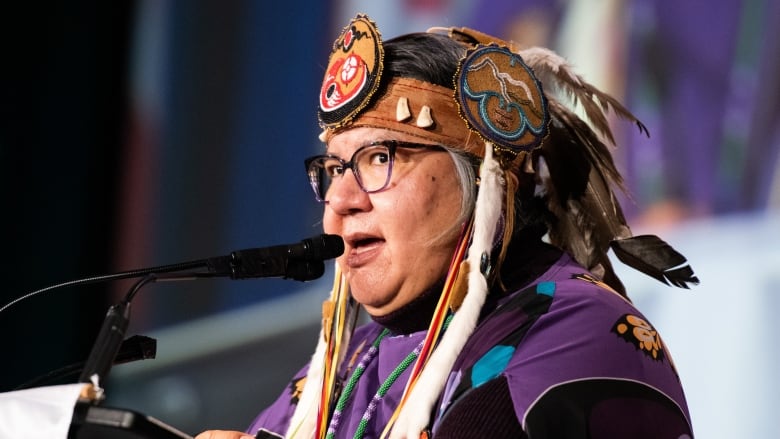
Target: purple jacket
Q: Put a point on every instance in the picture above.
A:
(578, 360)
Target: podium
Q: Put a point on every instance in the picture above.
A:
(73, 411)
(97, 422)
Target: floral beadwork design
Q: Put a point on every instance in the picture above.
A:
(641, 334)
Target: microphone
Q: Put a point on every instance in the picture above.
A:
(302, 261)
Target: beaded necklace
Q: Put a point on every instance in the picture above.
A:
(368, 414)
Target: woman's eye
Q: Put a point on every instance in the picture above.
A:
(334, 170)
(379, 158)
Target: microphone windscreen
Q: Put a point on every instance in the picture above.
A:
(304, 270)
(325, 247)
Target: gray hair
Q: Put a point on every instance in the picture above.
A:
(529, 210)
(466, 169)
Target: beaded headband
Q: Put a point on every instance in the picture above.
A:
(497, 97)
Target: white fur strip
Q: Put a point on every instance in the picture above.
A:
(414, 416)
(304, 418)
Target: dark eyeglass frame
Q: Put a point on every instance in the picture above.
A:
(313, 172)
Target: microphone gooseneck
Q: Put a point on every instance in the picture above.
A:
(302, 261)
(299, 261)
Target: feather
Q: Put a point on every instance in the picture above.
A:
(554, 71)
(579, 191)
(578, 132)
(304, 419)
(655, 258)
(588, 218)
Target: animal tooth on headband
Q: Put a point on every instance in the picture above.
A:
(323, 136)
(402, 111)
(424, 120)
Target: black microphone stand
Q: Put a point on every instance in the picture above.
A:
(134, 348)
(302, 261)
(91, 421)
(111, 337)
(112, 333)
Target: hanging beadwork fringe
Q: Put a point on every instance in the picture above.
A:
(339, 317)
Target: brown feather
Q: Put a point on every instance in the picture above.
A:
(589, 220)
(654, 257)
(556, 73)
(582, 172)
(582, 175)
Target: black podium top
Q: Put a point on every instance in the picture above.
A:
(97, 422)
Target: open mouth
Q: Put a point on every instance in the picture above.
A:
(363, 249)
(364, 242)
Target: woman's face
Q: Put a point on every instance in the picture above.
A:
(399, 241)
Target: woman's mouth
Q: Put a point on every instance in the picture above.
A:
(363, 250)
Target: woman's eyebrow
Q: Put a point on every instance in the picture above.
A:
(369, 143)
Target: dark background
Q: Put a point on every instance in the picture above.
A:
(136, 134)
(63, 109)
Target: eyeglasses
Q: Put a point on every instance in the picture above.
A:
(371, 164)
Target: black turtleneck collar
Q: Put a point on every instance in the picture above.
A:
(526, 259)
(415, 315)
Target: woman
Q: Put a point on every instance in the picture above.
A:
(448, 170)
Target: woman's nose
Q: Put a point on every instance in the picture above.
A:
(345, 195)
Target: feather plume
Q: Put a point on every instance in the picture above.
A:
(655, 258)
(579, 189)
(581, 175)
(582, 172)
(554, 71)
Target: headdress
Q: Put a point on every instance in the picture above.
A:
(500, 109)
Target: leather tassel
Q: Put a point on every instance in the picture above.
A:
(508, 226)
